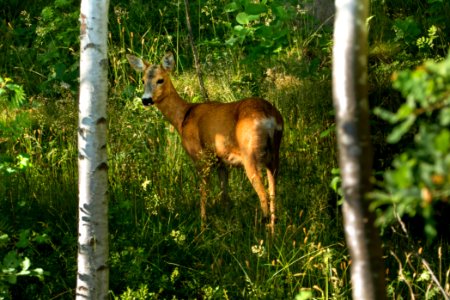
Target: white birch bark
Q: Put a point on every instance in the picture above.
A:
(93, 270)
(355, 156)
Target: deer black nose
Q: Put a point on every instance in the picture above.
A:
(147, 101)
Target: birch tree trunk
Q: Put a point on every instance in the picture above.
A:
(93, 270)
(355, 153)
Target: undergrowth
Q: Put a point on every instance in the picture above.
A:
(158, 248)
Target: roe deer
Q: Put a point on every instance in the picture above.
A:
(247, 132)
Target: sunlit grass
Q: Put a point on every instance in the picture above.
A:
(157, 242)
(155, 185)
(156, 232)
(158, 247)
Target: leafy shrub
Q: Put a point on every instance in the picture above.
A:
(262, 27)
(14, 263)
(11, 95)
(12, 123)
(57, 42)
(419, 180)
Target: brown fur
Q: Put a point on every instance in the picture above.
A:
(247, 132)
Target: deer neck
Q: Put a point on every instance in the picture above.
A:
(174, 108)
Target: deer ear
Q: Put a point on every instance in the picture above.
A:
(137, 63)
(168, 62)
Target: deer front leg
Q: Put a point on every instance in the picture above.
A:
(204, 169)
(203, 198)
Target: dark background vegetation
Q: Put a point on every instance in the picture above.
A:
(280, 50)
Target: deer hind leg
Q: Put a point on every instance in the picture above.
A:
(272, 171)
(271, 178)
(253, 174)
(272, 182)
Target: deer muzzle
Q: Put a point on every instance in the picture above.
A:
(147, 101)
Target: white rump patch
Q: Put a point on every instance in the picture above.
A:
(269, 124)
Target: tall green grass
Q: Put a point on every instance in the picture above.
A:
(155, 186)
(158, 247)
(157, 242)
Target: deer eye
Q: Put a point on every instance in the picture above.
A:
(160, 81)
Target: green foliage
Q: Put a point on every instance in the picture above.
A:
(418, 29)
(12, 124)
(336, 184)
(11, 95)
(55, 30)
(22, 163)
(261, 27)
(141, 293)
(156, 235)
(426, 43)
(406, 30)
(419, 183)
(427, 97)
(413, 275)
(14, 263)
(158, 247)
(168, 248)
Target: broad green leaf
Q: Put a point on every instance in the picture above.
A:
(23, 161)
(230, 42)
(23, 239)
(336, 171)
(38, 272)
(401, 129)
(4, 239)
(280, 12)
(304, 295)
(238, 28)
(430, 230)
(11, 279)
(404, 111)
(334, 184)
(11, 260)
(230, 7)
(26, 263)
(444, 116)
(442, 141)
(42, 238)
(255, 8)
(403, 177)
(242, 18)
(385, 115)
